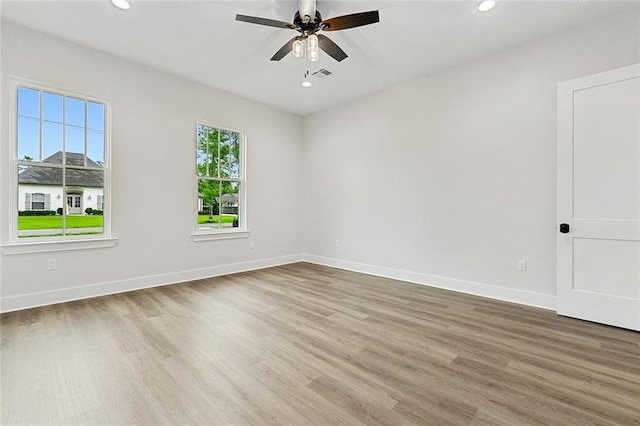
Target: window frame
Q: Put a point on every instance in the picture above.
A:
(242, 231)
(16, 245)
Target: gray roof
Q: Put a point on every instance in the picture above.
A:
(42, 175)
(228, 198)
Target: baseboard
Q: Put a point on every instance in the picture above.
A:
(522, 297)
(33, 300)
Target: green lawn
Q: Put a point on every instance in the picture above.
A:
(226, 218)
(55, 222)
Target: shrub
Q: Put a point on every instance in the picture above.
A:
(37, 213)
(235, 222)
(59, 211)
(88, 210)
(97, 212)
(214, 211)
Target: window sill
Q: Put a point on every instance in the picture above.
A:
(60, 245)
(220, 235)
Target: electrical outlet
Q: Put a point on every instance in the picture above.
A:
(337, 243)
(51, 264)
(252, 244)
(522, 265)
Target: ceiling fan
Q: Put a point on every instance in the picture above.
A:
(308, 22)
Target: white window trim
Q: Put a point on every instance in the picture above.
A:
(16, 245)
(228, 233)
(71, 243)
(219, 235)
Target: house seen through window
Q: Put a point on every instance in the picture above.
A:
(220, 174)
(60, 164)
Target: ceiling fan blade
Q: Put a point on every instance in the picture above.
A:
(264, 21)
(284, 50)
(351, 21)
(331, 48)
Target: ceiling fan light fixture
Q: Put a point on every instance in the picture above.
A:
(121, 4)
(309, 27)
(298, 49)
(312, 48)
(486, 5)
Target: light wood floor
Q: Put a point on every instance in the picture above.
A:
(304, 344)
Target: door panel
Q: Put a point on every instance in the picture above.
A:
(606, 151)
(620, 273)
(599, 197)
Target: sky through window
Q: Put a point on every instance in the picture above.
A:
(50, 123)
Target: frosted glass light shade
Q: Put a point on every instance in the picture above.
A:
(298, 49)
(312, 48)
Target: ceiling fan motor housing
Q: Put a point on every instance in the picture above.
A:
(309, 27)
(307, 10)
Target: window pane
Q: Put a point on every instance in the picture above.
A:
(224, 154)
(52, 107)
(214, 139)
(208, 208)
(95, 148)
(75, 139)
(38, 190)
(83, 189)
(201, 150)
(95, 116)
(229, 204)
(51, 139)
(234, 155)
(75, 112)
(28, 139)
(37, 201)
(28, 102)
(84, 179)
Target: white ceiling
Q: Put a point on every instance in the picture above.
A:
(201, 40)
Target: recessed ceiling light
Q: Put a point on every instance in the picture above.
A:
(122, 4)
(486, 5)
(306, 83)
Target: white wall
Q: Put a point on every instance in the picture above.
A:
(153, 156)
(450, 179)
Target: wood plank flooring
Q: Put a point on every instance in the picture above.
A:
(304, 344)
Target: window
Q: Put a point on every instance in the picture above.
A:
(37, 201)
(220, 176)
(60, 158)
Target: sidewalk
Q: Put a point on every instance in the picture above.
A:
(51, 232)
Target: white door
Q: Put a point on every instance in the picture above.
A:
(599, 198)
(74, 204)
